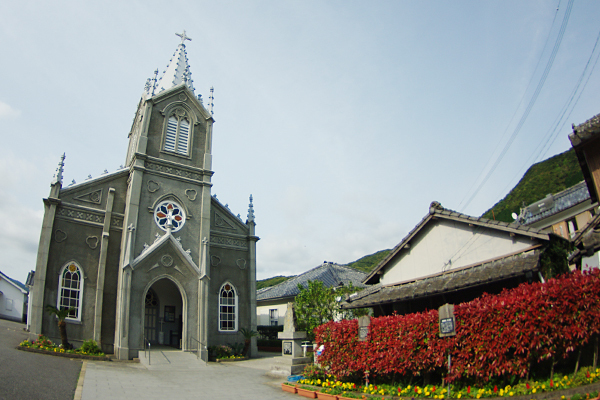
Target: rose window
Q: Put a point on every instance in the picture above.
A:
(169, 212)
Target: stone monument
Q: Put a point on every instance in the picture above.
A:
(291, 361)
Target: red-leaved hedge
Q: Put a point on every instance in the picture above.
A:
(497, 335)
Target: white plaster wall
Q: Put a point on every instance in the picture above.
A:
(9, 292)
(443, 241)
(589, 263)
(262, 313)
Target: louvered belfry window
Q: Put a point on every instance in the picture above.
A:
(177, 138)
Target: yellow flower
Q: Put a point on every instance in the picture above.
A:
(478, 395)
(511, 393)
(534, 390)
(459, 396)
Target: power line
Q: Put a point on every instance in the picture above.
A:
(530, 104)
(518, 106)
(563, 116)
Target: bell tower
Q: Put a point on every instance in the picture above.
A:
(168, 204)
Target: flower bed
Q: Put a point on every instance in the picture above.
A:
(89, 350)
(536, 390)
(231, 359)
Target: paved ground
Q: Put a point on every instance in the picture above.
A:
(177, 375)
(171, 375)
(33, 376)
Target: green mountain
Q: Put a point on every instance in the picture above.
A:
(367, 263)
(264, 283)
(550, 176)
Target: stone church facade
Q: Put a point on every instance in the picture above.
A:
(147, 253)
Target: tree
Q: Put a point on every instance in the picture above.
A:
(317, 304)
(62, 325)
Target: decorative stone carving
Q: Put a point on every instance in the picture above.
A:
(166, 260)
(241, 263)
(191, 194)
(222, 222)
(153, 186)
(92, 242)
(173, 171)
(60, 236)
(80, 215)
(182, 97)
(214, 261)
(229, 242)
(94, 197)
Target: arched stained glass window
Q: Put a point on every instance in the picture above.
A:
(177, 137)
(70, 289)
(228, 308)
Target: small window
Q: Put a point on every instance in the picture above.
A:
(70, 288)
(177, 137)
(227, 308)
(274, 317)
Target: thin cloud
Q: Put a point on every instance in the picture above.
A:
(6, 111)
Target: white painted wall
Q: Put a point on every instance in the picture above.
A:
(442, 241)
(589, 263)
(11, 301)
(263, 313)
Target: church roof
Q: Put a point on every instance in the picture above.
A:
(330, 274)
(177, 72)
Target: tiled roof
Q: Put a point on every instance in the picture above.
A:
(454, 280)
(582, 137)
(553, 204)
(15, 282)
(330, 274)
(585, 131)
(436, 211)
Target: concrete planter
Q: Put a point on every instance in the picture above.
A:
(326, 396)
(288, 388)
(311, 394)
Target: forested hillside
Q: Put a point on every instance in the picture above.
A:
(550, 176)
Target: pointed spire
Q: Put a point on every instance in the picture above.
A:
(178, 70)
(250, 211)
(211, 100)
(58, 176)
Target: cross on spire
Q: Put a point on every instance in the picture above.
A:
(183, 36)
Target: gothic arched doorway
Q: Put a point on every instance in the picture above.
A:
(163, 314)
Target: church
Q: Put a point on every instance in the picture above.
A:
(146, 254)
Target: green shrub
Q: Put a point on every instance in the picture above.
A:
(91, 347)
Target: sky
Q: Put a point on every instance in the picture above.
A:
(344, 119)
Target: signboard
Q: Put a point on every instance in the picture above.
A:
(287, 348)
(447, 320)
(363, 327)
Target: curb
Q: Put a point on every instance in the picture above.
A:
(79, 389)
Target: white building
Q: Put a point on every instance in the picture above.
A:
(13, 299)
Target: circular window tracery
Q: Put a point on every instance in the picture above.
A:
(169, 211)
